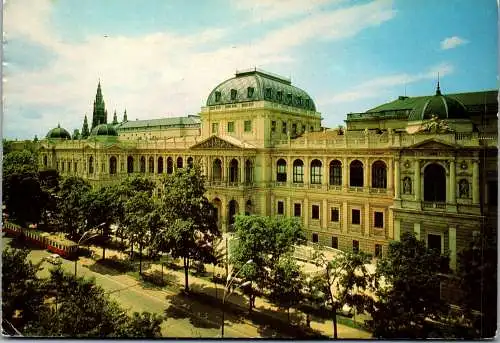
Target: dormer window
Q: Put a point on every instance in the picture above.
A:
(279, 96)
(268, 93)
(307, 103)
(299, 100)
(217, 96)
(250, 91)
(233, 94)
(289, 98)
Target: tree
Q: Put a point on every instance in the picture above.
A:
(263, 240)
(190, 221)
(408, 289)
(20, 288)
(287, 284)
(23, 197)
(345, 281)
(142, 325)
(18, 162)
(477, 272)
(72, 209)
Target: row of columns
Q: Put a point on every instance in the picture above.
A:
(208, 166)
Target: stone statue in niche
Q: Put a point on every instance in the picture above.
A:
(463, 188)
(407, 185)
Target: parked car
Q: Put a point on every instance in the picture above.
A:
(54, 259)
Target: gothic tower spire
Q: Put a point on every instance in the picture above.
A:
(125, 116)
(85, 129)
(115, 119)
(438, 90)
(99, 115)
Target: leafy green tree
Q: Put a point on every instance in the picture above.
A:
(18, 162)
(477, 272)
(72, 206)
(263, 240)
(24, 197)
(21, 295)
(189, 216)
(287, 283)
(408, 290)
(141, 325)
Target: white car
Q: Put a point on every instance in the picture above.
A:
(54, 259)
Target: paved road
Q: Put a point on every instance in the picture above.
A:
(132, 296)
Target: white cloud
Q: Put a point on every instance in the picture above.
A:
(154, 75)
(385, 84)
(452, 42)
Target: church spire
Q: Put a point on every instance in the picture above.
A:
(438, 90)
(99, 115)
(85, 129)
(115, 120)
(125, 116)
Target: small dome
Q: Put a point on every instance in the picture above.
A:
(257, 85)
(58, 133)
(440, 106)
(104, 130)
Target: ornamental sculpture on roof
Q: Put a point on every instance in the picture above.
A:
(435, 125)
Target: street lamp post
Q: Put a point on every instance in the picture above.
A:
(80, 241)
(227, 292)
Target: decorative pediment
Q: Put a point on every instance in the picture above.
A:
(215, 142)
(432, 144)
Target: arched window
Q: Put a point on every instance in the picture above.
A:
(233, 210)
(233, 171)
(160, 165)
(130, 164)
(217, 170)
(463, 189)
(151, 165)
(281, 170)
(170, 165)
(248, 207)
(112, 165)
(356, 174)
(179, 162)
(379, 175)
(298, 171)
(143, 164)
(316, 172)
(91, 165)
(248, 171)
(335, 173)
(190, 162)
(45, 160)
(434, 183)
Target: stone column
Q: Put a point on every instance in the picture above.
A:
(274, 169)
(345, 177)
(452, 186)
(366, 174)
(273, 206)
(307, 171)
(397, 229)
(288, 211)
(345, 217)
(452, 246)
(223, 214)
(208, 167)
(289, 171)
(416, 180)
(242, 170)
(325, 175)
(367, 219)
(475, 182)
(416, 229)
(397, 180)
(390, 177)
(225, 169)
(325, 214)
(305, 212)
(242, 204)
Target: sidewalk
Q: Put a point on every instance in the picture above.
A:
(236, 299)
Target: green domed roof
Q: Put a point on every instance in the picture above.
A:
(104, 130)
(256, 85)
(439, 105)
(58, 133)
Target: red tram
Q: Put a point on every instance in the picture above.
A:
(57, 245)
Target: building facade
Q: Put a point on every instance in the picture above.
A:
(425, 164)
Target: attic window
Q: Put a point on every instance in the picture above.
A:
(307, 103)
(217, 96)
(289, 98)
(250, 92)
(233, 94)
(279, 95)
(268, 93)
(299, 100)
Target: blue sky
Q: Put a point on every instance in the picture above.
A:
(162, 58)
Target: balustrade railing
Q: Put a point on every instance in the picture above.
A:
(433, 205)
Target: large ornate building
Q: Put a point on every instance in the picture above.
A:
(426, 164)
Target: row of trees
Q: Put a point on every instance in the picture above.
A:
(63, 305)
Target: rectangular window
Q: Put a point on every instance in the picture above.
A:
(379, 220)
(334, 214)
(248, 125)
(217, 96)
(273, 126)
(298, 173)
(355, 246)
(281, 207)
(335, 242)
(378, 250)
(283, 128)
(230, 126)
(233, 94)
(434, 242)
(315, 212)
(355, 217)
(215, 128)
(296, 210)
(303, 128)
(492, 193)
(315, 238)
(294, 129)
(279, 96)
(250, 92)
